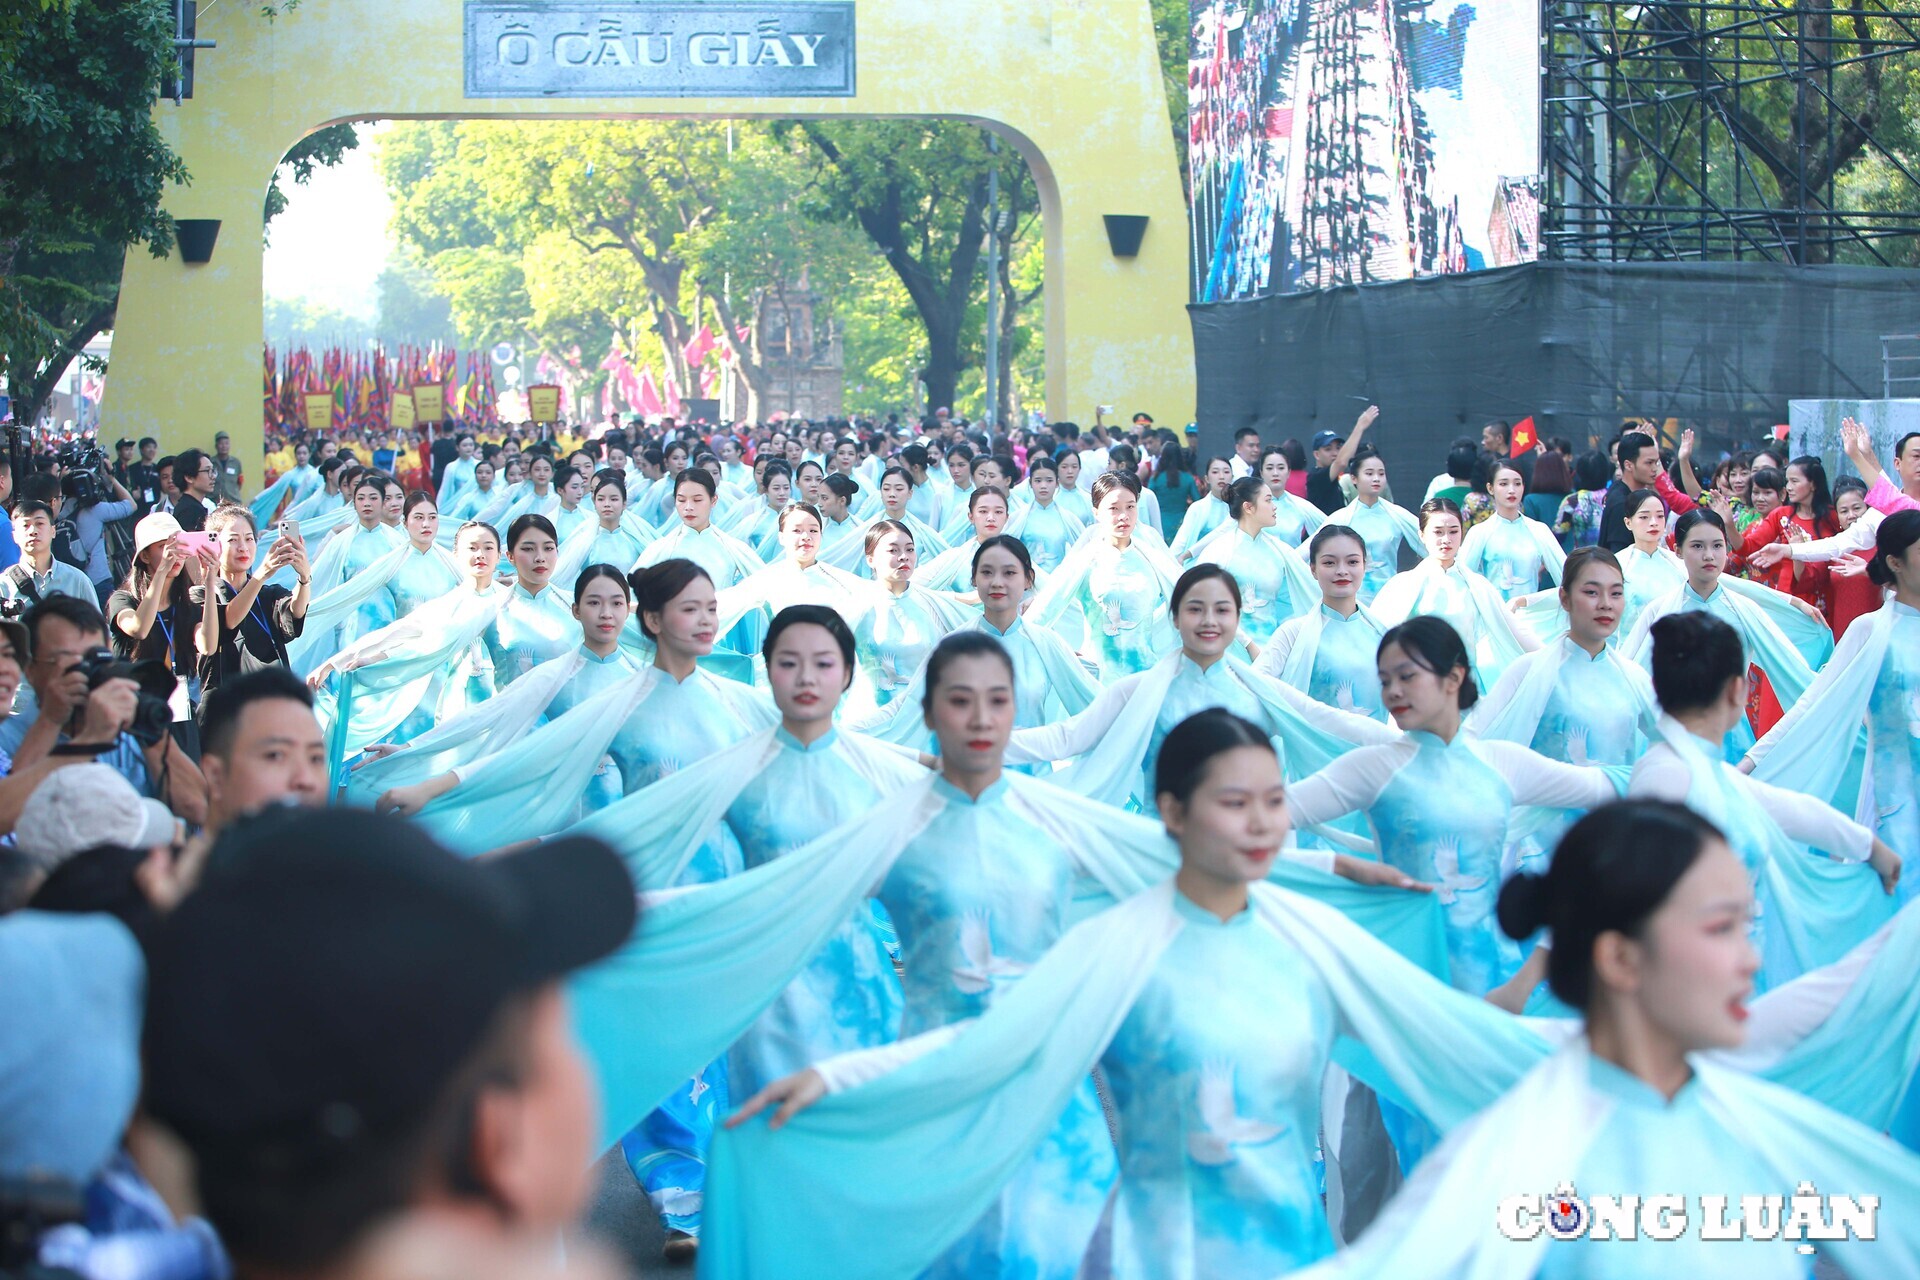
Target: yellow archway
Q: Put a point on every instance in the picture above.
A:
(1074, 85)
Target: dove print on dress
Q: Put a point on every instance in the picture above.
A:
(1215, 1075)
(979, 967)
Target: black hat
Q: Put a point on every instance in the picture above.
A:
(336, 969)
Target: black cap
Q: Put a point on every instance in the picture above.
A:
(335, 969)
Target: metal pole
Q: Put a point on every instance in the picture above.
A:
(993, 284)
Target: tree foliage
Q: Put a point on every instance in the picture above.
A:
(318, 150)
(581, 234)
(82, 171)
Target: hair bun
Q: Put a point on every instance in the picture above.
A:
(1522, 908)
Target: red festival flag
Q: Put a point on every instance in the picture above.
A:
(1763, 706)
(1525, 437)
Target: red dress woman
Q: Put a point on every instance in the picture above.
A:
(1806, 514)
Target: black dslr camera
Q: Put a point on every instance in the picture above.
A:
(152, 717)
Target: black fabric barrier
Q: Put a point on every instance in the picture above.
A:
(1579, 346)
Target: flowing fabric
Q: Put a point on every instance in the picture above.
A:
(1202, 518)
(1330, 657)
(1767, 647)
(1275, 585)
(726, 559)
(324, 630)
(483, 730)
(1048, 531)
(893, 635)
(1512, 554)
(1556, 1125)
(592, 543)
(927, 1133)
(1050, 683)
(1114, 743)
(294, 487)
(1111, 604)
(1809, 910)
(1296, 519)
(1572, 706)
(1385, 529)
(435, 663)
(457, 479)
(1468, 602)
(1867, 697)
(545, 781)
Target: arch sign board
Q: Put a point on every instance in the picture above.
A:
(1073, 85)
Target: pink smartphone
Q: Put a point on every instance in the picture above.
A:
(194, 543)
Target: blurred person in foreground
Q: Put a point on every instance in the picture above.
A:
(421, 1085)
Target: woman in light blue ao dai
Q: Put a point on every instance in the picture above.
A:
(1047, 527)
(299, 483)
(573, 514)
(901, 622)
(603, 603)
(352, 551)
(896, 493)
(1702, 537)
(537, 624)
(1214, 1003)
(693, 536)
(1509, 548)
(474, 497)
(1442, 586)
(1578, 700)
(1648, 909)
(799, 576)
(1869, 689)
(757, 523)
(1274, 583)
(1458, 844)
(1329, 653)
(952, 569)
(1050, 683)
(1115, 743)
(1206, 515)
(1074, 500)
(1650, 567)
(774, 792)
(425, 572)
(1809, 909)
(539, 497)
(1109, 599)
(1385, 528)
(613, 537)
(1295, 519)
(631, 732)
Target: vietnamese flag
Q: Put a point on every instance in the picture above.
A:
(1525, 437)
(1763, 706)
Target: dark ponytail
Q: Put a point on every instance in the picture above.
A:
(1610, 873)
(1898, 532)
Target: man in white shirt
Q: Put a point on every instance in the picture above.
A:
(39, 575)
(1246, 453)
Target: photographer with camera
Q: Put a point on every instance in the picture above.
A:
(88, 704)
(84, 485)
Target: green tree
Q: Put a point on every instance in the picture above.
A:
(318, 150)
(918, 188)
(82, 172)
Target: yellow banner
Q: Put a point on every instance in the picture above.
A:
(543, 405)
(401, 415)
(319, 406)
(430, 403)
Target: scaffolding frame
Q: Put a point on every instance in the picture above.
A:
(1715, 130)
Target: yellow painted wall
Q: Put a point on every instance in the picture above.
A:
(1073, 84)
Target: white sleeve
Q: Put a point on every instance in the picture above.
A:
(1788, 1014)
(1318, 859)
(844, 1071)
(1348, 726)
(1075, 736)
(1660, 775)
(1813, 822)
(1273, 659)
(1542, 780)
(1856, 537)
(1351, 783)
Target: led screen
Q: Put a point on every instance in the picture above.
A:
(1336, 142)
